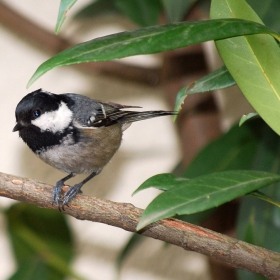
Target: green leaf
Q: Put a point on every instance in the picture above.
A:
(33, 269)
(253, 62)
(142, 12)
(129, 246)
(40, 234)
(197, 218)
(97, 8)
(265, 198)
(258, 228)
(244, 118)
(268, 11)
(266, 216)
(65, 6)
(205, 192)
(250, 234)
(234, 150)
(218, 79)
(162, 182)
(177, 9)
(250, 229)
(150, 40)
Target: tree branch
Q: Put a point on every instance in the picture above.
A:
(236, 253)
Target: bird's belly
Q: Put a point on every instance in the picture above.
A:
(89, 155)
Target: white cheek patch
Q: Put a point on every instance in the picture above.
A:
(54, 121)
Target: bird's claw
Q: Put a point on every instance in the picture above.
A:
(57, 192)
(61, 200)
(71, 193)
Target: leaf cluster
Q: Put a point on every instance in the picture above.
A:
(242, 161)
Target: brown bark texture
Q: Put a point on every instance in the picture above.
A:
(228, 250)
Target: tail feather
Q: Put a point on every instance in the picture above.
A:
(133, 116)
(127, 117)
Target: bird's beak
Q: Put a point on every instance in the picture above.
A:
(18, 127)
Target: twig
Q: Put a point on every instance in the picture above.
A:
(236, 253)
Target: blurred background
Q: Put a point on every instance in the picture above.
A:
(149, 147)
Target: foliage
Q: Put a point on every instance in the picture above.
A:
(218, 79)
(150, 40)
(242, 161)
(202, 193)
(41, 251)
(259, 80)
(64, 7)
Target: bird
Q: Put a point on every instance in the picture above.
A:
(74, 133)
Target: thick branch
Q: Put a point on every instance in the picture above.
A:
(237, 253)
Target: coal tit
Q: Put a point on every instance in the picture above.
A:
(74, 133)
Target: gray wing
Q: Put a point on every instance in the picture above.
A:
(94, 113)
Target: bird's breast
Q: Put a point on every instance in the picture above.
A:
(91, 151)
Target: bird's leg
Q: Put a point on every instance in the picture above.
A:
(72, 191)
(58, 187)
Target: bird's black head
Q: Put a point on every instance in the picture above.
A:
(40, 117)
(33, 105)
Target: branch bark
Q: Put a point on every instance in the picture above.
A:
(234, 252)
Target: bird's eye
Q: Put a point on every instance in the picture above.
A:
(37, 113)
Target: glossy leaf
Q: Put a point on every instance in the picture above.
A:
(244, 118)
(40, 234)
(268, 11)
(259, 218)
(218, 79)
(253, 62)
(150, 40)
(142, 12)
(97, 8)
(250, 237)
(266, 216)
(205, 192)
(234, 150)
(197, 218)
(33, 269)
(177, 9)
(162, 182)
(65, 6)
(265, 198)
(263, 217)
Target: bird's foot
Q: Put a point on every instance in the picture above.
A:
(58, 197)
(71, 193)
(61, 200)
(57, 192)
